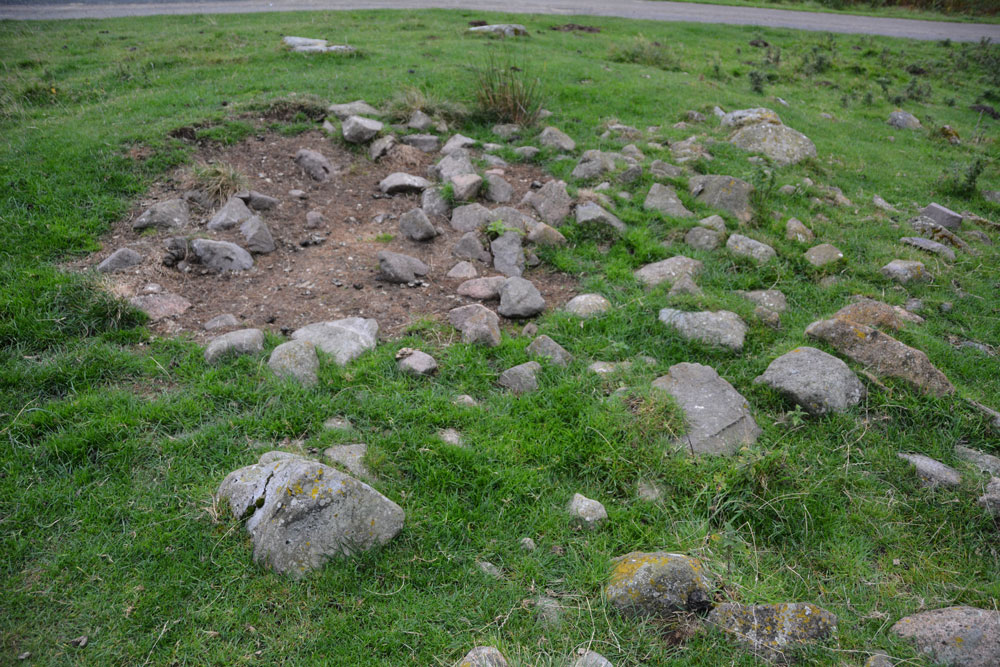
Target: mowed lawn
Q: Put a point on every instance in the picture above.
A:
(114, 441)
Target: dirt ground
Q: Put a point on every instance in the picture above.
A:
(298, 284)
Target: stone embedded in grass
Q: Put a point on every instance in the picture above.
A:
(160, 306)
(818, 382)
(724, 192)
(542, 234)
(400, 183)
(548, 612)
(426, 143)
(663, 198)
(314, 163)
(668, 270)
(465, 187)
(221, 255)
(508, 254)
(685, 285)
(465, 400)
(903, 120)
(743, 117)
(477, 323)
(415, 225)
(296, 359)
(119, 260)
(591, 659)
(823, 254)
(661, 169)
(958, 636)
(772, 629)
(932, 473)
(379, 148)
(689, 150)
(170, 214)
(905, 271)
(257, 236)
(877, 314)
(881, 353)
(990, 501)
(244, 341)
(345, 339)
(779, 142)
(489, 569)
(415, 362)
(551, 201)
(224, 321)
(659, 584)
(745, 246)
(589, 213)
(498, 190)
(451, 437)
(462, 271)
(419, 121)
(543, 346)
(721, 328)
(358, 130)
(609, 367)
(310, 45)
(587, 305)
(235, 212)
(396, 267)
(930, 246)
(470, 218)
(521, 379)
(520, 298)
(981, 460)
(301, 513)
(717, 417)
(527, 544)
(527, 152)
(586, 513)
(552, 137)
(771, 299)
(351, 458)
(483, 289)
(702, 238)
(483, 656)
(796, 231)
(502, 29)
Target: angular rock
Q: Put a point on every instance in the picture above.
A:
(457, 142)
(586, 513)
(906, 271)
(796, 231)
(415, 226)
(420, 121)
(661, 169)
(527, 152)
(551, 201)
(477, 323)
(724, 192)
(395, 267)
(508, 254)
(520, 298)
(743, 117)
(772, 629)
(981, 460)
(659, 584)
(779, 142)
(426, 143)
(466, 186)
(903, 120)
(415, 362)
(351, 458)
(356, 108)
(381, 147)
(301, 513)
(943, 216)
(771, 299)
(818, 382)
(470, 218)
(930, 246)
(591, 659)
(587, 305)
(224, 321)
(160, 306)
(471, 248)
(119, 260)
(462, 271)
(497, 189)
(400, 183)
(718, 418)
(315, 219)
(221, 255)
(702, 238)
(554, 138)
(297, 360)
(542, 234)
(257, 236)
(483, 656)
(668, 270)
(877, 314)
(521, 379)
(358, 130)
(234, 213)
(955, 636)
(170, 214)
(663, 198)
(434, 203)
(685, 285)
(823, 255)
(482, 288)
(244, 341)
(345, 340)
(882, 353)
(932, 473)
(454, 164)
(315, 164)
(748, 247)
(543, 346)
(722, 328)
(591, 213)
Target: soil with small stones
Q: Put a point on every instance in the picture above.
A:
(337, 277)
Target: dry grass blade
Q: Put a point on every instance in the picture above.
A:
(506, 92)
(218, 180)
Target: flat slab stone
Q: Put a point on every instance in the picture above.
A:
(771, 629)
(717, 416)
(345, 340)
(724, 192)
(722, 328)
(400, 183)
(745, 246)
(816, 381)
(426, 143)
(877, 314)
(779, 142)
(744, 117)
(355, 108)
(930, 246)
(504, 30)
(957, 636)
(932, 473)
(663, 198)
(668, 270)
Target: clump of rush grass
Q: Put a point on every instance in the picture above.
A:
(218, 180)
(505, 91)
(644, 51)
(410, 99)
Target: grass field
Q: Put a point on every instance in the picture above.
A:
(114, 441)
(868, 9)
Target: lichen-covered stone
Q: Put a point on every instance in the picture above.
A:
(483, 656)
(877, 314)
(659, 584)
(771, 629)
(955, 636)
(668, 270)
(779, 142)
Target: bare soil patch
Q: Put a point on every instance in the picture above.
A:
(334, 273)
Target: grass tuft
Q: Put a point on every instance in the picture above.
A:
(506, 91)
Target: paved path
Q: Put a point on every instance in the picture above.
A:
(633, 9)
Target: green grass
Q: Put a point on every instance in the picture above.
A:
(967, 12)
(114, 441)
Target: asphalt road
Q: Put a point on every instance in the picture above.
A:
(634, 9)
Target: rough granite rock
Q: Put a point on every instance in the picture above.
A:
(119, 260)
(955, 636)
(314, 163)
(724, 192)
(981, 460)
(906, 271)
(234, 213)
(927, 245)
(586, 513)
(477, 323)
(587, 305)
(543, 346)
(772, 629)
(416, 226)
(351, 458)
(396, 267)
(589, 213)
(170, 214)
(659, 584)
(816, 381)
(771, 299)
(942, 216)
(668, 270)
(224, 321)
(415, 362)
(551, 202)
(520, 298)
(722, 328)
(381, 147)
(457, 142)
(462, 271)
(508, 254)
(466, 186)
(779, 142)
(160, 306)
(877, 314)
(663, 198)
(990, 501)
(400, 183)
(554, 138)
(591, 659)
(498, 190)
(661, 169)
(484, 288)
(244, 341)
(743, 117)
(301, 513)
(903, 120)
(521, 379)
(344, 340)
(703, 238)
(932, 473)
(470, 218)
(454, 164)
(358, 130)
(796, 231)
(257, 236)
(881, 353)
(685, 285)
(823, 254)
(355, 108)
(483, 656)
(433, 203)
(748, 247)
(221, 255)
(296, 359)
(542, 234)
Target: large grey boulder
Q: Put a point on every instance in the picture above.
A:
(955, 636)
(416, 226)
(932, 473)
(543, 346)
(882, 354)
(358, 130)
(301, 513)
(745, 246)
(314, 163)
(296, 360)
(554, 138)
(722, 328)
(257, 237)
(470, 218)
(508, 254)
(400, 183)
(779, 142)
(119, 260)
(663, 198)
(551, 202)
(355, 108)
(234, 213)
(816, 381)
(668, 270)
(724, 192)
(771, 629)
(659, 584)
(170, 214)
(221, 255)
(718, 418)
(345, 340)
(396, 267)
(903, 120)
(244, 341)
(589, 213)
(520, 298)
(520, 379)
(477, 323)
